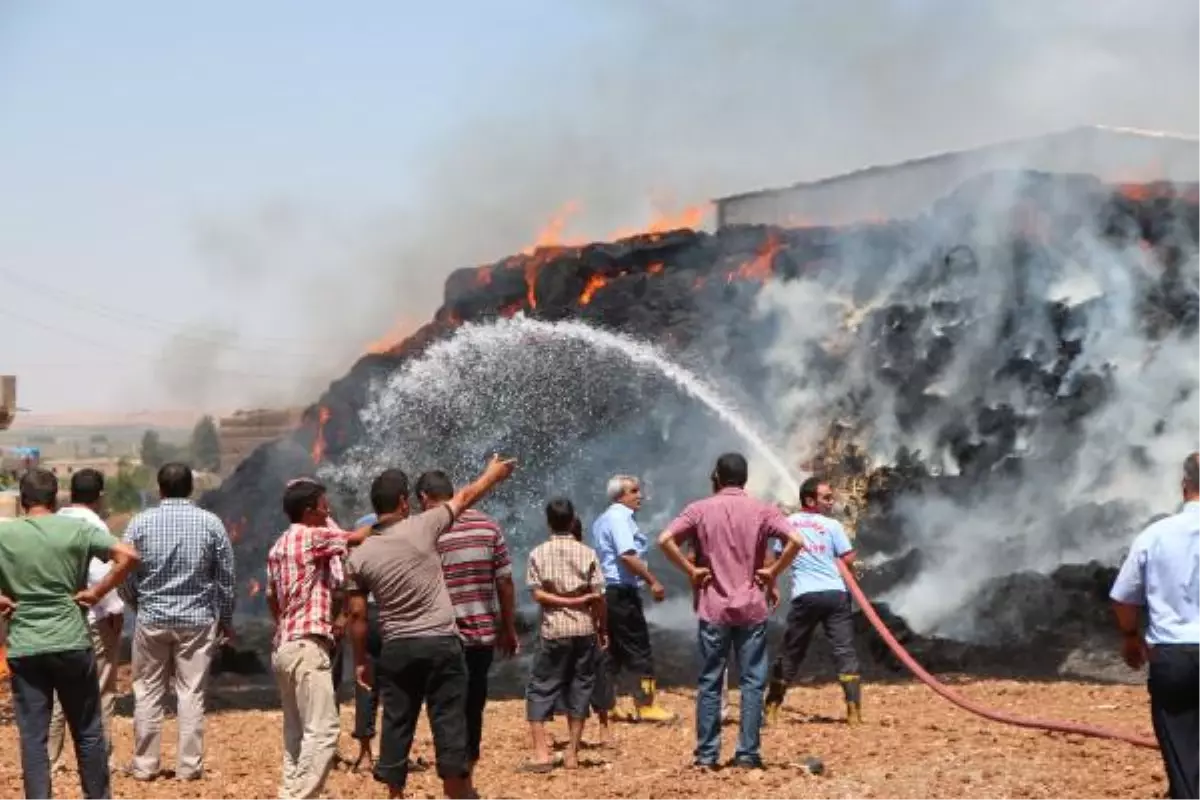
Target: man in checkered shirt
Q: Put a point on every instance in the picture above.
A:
(303, 572)
(183, 592)
(566, 580)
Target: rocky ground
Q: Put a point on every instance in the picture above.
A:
(912, 745)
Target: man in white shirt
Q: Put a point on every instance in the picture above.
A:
(105, 619)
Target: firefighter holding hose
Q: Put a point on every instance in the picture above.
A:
(819, 597)
(1162, 574)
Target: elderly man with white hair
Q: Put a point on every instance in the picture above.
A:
(621, 546)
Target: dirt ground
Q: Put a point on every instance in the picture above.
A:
(913, 744)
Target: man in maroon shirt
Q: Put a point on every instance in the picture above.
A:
(729, 532)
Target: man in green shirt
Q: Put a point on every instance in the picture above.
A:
(43, 582)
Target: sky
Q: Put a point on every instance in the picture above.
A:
(219, 205)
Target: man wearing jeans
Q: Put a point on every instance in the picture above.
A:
(105, 619)
(43, 560)
(422, 656)
(300, 589)
(729, 533)
(182, 592)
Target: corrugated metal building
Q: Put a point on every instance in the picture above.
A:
(900, 191)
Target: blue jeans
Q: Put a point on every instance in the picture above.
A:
(750, 648)
(72, 676)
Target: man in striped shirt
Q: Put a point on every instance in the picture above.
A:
(478, 575)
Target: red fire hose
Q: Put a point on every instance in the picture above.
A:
(964, 703)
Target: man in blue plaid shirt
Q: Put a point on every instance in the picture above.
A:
(183, 593)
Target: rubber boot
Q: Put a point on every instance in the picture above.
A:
(774, 702)
(648, 710)
(852, 689)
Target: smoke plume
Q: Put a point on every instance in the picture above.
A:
(669, 104)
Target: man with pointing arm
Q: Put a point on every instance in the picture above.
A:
(422, 658)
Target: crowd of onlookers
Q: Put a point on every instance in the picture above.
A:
(422, 589)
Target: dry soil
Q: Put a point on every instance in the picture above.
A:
(913, 744)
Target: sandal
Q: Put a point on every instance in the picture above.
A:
(537, 768)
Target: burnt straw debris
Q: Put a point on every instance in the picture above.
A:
(986, 354)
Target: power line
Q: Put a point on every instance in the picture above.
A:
(81, 337)
(137, 319)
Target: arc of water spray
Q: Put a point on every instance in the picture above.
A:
(640, 353)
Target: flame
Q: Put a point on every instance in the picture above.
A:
(401, 329)
(690, 217)
(235, 530)
(656, 268)
(551, 234)
(531, 270)
(759, 267)
(318, 448)
(254, 588)
(593, 284)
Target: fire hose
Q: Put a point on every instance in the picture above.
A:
(962, 702)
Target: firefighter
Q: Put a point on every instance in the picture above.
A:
(819, 597)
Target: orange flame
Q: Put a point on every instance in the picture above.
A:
(759, 267)
(593, 284)
(690, 217)
(655, 268)
(318, 448)
(551, 234)
(235, 530)
(401, 329)
(254, 588)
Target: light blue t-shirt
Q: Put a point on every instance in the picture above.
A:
(1162, 572)
(825, 540)
(369, 519)
(614, 533)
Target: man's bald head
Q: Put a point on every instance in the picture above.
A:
(1191, 477)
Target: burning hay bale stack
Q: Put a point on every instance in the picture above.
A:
(1005, 360)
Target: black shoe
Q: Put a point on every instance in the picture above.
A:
(704, 766)
(749, 762)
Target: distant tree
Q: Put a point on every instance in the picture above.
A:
(123, 492)
(206, 446)
(152, 450)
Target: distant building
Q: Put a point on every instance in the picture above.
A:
(905, 190)
(8, 400)
(240, 433)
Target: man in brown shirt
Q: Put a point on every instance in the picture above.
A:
(565, 578)
(422, 656)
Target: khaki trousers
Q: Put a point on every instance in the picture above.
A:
(106, 643)
(311, 724)
(157, 654)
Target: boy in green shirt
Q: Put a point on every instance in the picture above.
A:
(43, 578)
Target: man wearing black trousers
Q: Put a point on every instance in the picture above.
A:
(621, 547)
(819, 598)
(1162, 574)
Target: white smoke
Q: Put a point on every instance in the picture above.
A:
(1131, 448)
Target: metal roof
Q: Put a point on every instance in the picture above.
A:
(982, 150)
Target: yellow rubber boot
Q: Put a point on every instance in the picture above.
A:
(852, 688)
(651, 711)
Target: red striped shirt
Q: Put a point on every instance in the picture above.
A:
(474, 555)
